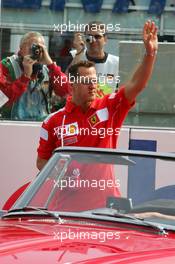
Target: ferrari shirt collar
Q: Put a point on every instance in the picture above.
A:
(70, 106)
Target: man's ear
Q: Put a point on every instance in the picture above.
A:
(22, 50)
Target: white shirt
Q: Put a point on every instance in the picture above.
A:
(107, 71)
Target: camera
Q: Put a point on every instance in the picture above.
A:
(35, 52)
(89, 39)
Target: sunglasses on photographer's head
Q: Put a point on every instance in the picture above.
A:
(90, 38)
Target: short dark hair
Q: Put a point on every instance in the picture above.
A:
(73, 70)
(96, 25)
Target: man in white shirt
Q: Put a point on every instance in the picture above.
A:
(90, 46)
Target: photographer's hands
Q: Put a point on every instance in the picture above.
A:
(79, 45)
(28, 62)
(78, 42)
(28, 65)
(44, 56)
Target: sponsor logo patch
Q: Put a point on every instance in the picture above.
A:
(70, 140)
(100, 116)
(66, 130)
(93, 120)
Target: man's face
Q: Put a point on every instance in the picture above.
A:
(99, 40)
(25, 49)
(85, 87)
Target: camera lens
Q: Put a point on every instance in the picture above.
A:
(89, 39)
(35, 51)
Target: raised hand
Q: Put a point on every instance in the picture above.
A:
(150, 37)
(45, 57)
(28, 65)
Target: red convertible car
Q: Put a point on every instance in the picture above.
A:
(93, 206)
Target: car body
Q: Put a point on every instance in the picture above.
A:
(94, 206)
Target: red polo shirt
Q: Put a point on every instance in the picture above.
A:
(98, 127)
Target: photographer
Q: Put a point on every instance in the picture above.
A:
(90, 46)
(29, 79)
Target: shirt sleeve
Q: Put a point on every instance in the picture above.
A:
(59, 80)
(12, 89)
(118, 99)
(118, 106)
(46, 141)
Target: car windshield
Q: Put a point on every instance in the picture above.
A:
(86, 180)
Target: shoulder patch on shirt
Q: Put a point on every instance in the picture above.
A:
(44, 134)
(98, 117)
